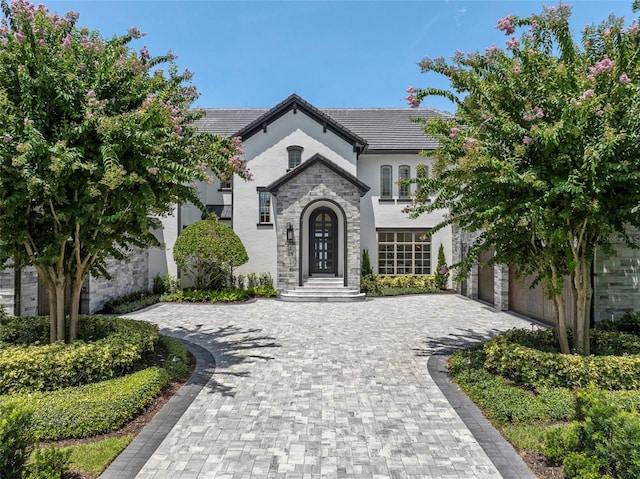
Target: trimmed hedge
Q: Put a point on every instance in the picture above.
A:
(28, 368)
(513, 356)
(503, 402)
(198, 296)
(177, 364)
(131, 302)
(92, 409)
(417, 283)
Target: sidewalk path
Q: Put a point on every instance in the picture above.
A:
(326, 390)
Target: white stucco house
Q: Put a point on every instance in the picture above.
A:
(325, 188)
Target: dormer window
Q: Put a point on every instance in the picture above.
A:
(295, 156)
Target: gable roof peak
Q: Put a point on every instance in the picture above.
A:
(294, 102)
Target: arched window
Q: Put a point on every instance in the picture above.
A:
(404, 173)
(386, 181)
(295, 156)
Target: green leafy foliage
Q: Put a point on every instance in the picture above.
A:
(197, 296)
(131, 302)
(603, 440)
(165, 284)
(208, 251)
(90, 409)
(47, 463)
(441, 276)
(541, 157)
(515, 355)
(366, 269)
(177, 364)
(629, 323)
(16, 439)
(52, 366)
(503, 402)
(379, 285)
(97, 138)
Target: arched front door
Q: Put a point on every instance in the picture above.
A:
(323, 242)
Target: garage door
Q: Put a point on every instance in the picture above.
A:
(531, 301)
(486, 279)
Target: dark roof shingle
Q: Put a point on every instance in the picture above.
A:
(382, 128)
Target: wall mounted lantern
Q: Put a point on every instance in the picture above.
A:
(289, 233)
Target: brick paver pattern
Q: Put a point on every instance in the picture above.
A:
(325, 390)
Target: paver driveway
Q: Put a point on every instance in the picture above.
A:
(306, 390)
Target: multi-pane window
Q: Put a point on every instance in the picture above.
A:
(225, 184)
(404, 173)
(264, 207)
(386, 181)
(404, 252)
(295, 156)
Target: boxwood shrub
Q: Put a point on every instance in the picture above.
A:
(27, 368)
(91, 409)
(523, 357)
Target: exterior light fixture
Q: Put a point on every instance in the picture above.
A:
(289, 233)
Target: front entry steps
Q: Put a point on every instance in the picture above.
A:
(322, 289)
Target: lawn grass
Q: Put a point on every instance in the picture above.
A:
(92, 459)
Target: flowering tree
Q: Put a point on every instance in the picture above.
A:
(94, 138)
(541, 158)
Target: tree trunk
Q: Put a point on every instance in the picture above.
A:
(561, 313)
(74, 305)
(584, 292)
(59, 286)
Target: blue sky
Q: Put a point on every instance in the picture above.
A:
(343, 53)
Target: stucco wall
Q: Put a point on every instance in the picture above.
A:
(388, 214)
(268, 160)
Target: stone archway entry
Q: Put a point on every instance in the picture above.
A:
(323, 244)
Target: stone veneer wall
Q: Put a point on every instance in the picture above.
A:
(315, 183)
(128, 276)
(617, 281)
(29, 294)
(462, 242)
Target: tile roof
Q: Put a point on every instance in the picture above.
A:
(382, 128)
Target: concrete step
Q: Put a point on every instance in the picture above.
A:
(322, 289)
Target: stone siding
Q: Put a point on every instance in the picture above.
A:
(316, 183)
(29, 294)
(128, 276)
(616, 281)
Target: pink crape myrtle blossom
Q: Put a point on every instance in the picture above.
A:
(513, 43)
(411, 99)
(604, 65)
(454, 133)
(527, 140)
(136, 33)
(153, 170)
(624, 79)
(536, 113)
(505, 25)
(405, 210)
(144, 53)
(587, 94)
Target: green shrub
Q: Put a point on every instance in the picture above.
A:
(177, 364)
(130, 302)
(197, 296)
(92, 409)
(207, 251)
(535, 368)
(165, 284)
(369, 284)
(366, 269)
(563, 440)
(629, 323)
(16, 439)
(48, 463)
(263, 292)
(501, 401)
(582, 466)
(54, 366)
(605, 440)
(441, 277)
(24, 330)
